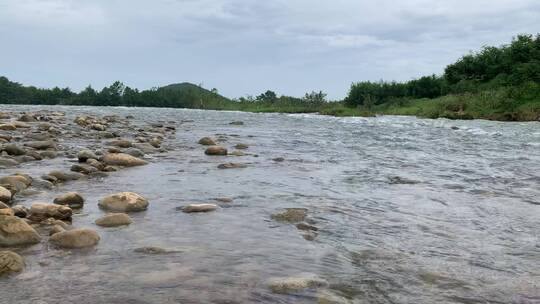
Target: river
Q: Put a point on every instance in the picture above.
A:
(408, 210)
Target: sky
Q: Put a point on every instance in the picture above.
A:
(245, 47)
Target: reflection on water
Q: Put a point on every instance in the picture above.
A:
(406, 211)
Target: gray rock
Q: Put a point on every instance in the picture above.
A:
(124, 202)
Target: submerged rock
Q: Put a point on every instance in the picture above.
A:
(124, 202)
(295, 284)
(199, 208)
(291, 215)
(71, 199)
(151, 250)
(241, 146)
(402, 180)
(114, 219)
(76, 238)
(122, 159)
(10, 262)
(15, 231)
(232, 166)
(224, 199)
(216, 150)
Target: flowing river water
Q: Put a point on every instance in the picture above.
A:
(408, 210)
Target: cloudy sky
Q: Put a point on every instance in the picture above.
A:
(246, 46)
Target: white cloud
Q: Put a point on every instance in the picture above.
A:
(247, 46)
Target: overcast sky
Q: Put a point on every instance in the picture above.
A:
(244, 47)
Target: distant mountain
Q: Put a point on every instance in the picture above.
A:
(185, 87)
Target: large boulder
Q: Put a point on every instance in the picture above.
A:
(10, 262)
(114, 219)
(71, 199)
(42, 211)
(216, 150)
(15, 231)
(124, 202)
(199, 208)
(5, 195)
(76, 238)
(122, 159)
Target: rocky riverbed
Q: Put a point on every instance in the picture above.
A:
(168, 206)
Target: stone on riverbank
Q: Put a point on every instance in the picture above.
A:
(85, 155)
(15, 231)
(124, 202)
(5, 195)
(122, 159)
(71, 199)
(42, 211)
(76, 238)
(10, 262)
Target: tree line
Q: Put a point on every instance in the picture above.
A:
(515, 65)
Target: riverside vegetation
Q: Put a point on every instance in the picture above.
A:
(497, 83)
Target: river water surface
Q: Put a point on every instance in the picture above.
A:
(408, 211)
